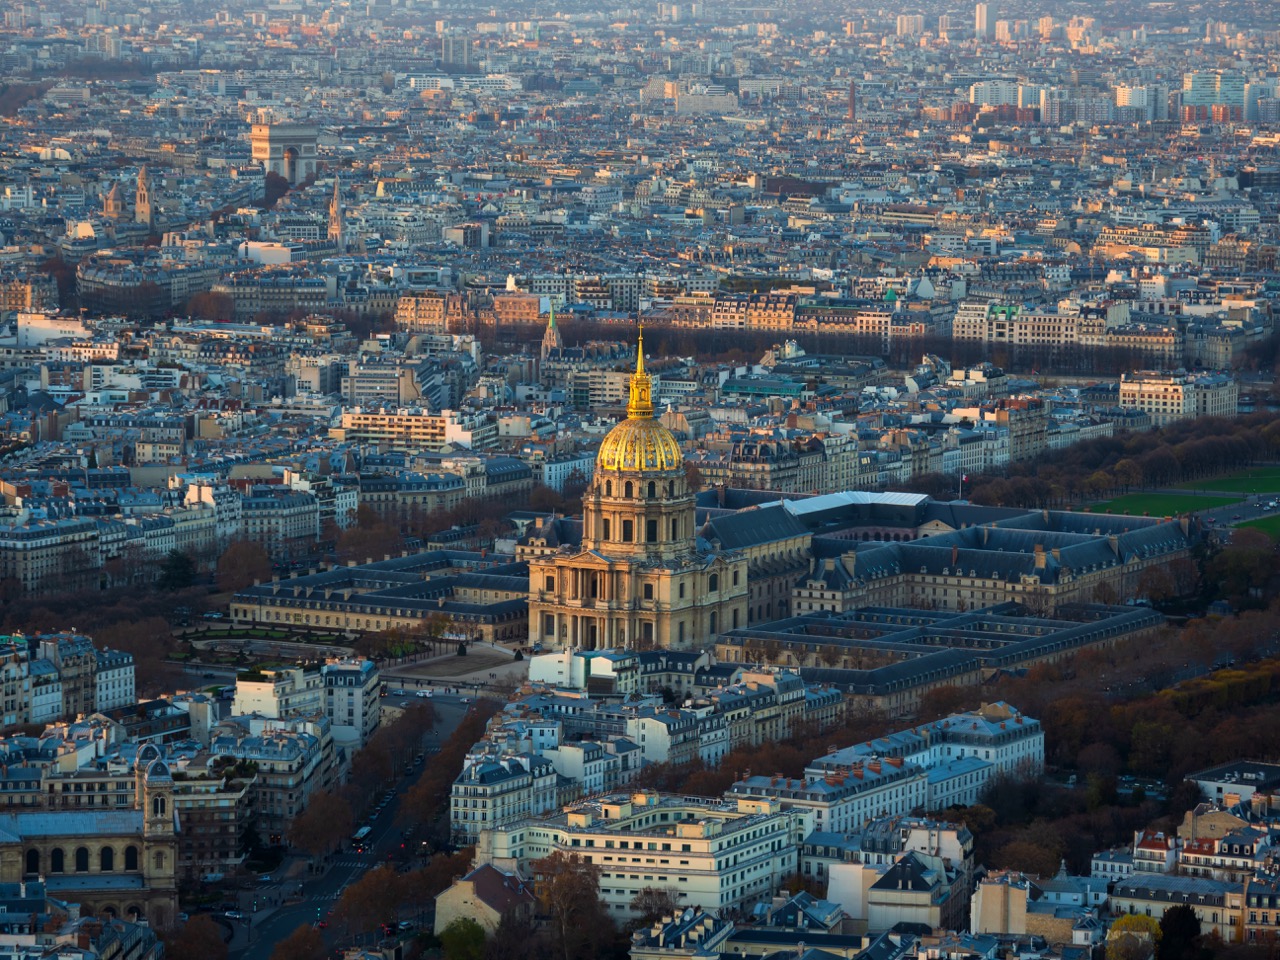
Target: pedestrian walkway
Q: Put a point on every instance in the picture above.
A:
(350, 860)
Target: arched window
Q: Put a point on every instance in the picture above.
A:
(82, 859)
(714, 583)
(33, 861)
(653, 489)
(628, 490)
(131, 858)
(158, 806)
(56, 864)
(107, 858)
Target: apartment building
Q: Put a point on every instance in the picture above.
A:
(293, 761)
(719, 856)
(77, 665)
(274, 517)
(1170, 397)
(113, 681)
(492, 793)
(351, 700)
(1218, 905)
(838, 802)
(281, 692)
(415, 429)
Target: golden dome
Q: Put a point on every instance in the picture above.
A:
(639, 442)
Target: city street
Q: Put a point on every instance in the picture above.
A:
(256, 939)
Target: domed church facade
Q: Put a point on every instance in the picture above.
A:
(641, 578)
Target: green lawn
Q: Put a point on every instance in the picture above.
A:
(1159, 504)
(1257, 480)
(1268, 525)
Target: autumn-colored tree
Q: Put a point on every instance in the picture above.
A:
(462, 939)
(305, 943)
(1179, 934)
(372, 900)
(325, 822)
(1037, 852)
(651, 903)
(208, 305)
(241, 564)
(433, 879)
(1133, 937)
(151, 642)
(198, 937)
(568, 891)
(514, 939)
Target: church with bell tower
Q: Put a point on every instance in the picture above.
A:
(641, 577)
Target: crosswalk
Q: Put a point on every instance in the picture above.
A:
(350, 861)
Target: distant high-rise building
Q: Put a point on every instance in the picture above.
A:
(853, 102)
(455, 50)
(1205, 88)
(982, 22)
(994, 93)
(1046, 28)
(910, 24)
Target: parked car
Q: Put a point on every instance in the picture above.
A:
(234, 915)
(424, 693)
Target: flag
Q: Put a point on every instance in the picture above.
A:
(964, 478)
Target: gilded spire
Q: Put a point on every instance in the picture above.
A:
(640, 406)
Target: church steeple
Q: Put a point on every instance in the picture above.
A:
(551, 342)
(337, 219)
(142, 208)
(113, 205)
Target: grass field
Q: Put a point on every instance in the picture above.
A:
(1160, 504)
(1258, 480)
(1268, 525)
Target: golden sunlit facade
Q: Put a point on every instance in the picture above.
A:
(640, 578)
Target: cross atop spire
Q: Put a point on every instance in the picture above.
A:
(640, 405)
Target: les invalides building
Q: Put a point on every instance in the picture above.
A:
(641, 577)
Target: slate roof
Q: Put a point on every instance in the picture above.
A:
(498, 890)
